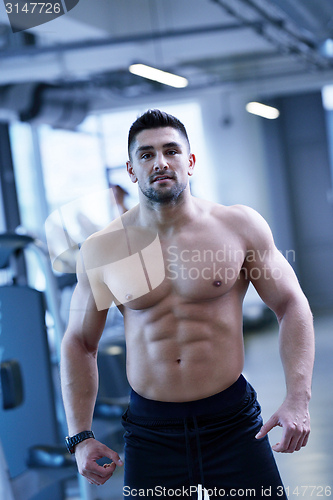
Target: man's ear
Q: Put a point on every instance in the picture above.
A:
(191, 164)
(131, 172)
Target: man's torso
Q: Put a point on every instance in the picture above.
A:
(181, 296)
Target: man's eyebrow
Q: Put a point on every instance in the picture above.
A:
(172, 145)
(149, 148)
(143, 148)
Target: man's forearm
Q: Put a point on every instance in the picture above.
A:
(79, 382)
(297, 347)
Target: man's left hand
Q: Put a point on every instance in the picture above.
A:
(294, 419)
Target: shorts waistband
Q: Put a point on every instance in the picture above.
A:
(143, 407)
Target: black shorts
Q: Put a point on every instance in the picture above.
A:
(172, 448)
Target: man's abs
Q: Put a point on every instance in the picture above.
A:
(190, 351)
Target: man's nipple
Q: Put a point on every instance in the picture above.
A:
(217, 283)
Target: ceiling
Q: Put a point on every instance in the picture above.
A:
(83, 56)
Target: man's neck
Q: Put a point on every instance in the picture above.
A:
(167, 218)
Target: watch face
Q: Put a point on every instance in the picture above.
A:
(69, 445)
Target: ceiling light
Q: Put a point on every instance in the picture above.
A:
(257, 108)
(327, 96)
(158, 75)
(327, 48)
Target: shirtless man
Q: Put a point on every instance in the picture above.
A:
(193, 419)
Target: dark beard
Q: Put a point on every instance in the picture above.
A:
(163, 196)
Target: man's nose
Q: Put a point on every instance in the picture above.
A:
(160, 163)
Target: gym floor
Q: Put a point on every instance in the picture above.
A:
(307, 474)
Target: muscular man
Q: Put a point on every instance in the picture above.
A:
(178, 268)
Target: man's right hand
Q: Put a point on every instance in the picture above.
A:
(86, 454)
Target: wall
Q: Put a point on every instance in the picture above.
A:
(299, 170)
(235, 148)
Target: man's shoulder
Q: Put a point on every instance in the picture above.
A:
(236, 214)
(110, 231)
(95, 250)
(243, 220)
(123, 237)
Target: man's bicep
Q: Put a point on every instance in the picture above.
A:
(268, 270)
(90, 275)
(86, 319)
(275, 280)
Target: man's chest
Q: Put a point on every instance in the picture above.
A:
(203, 264)
(199, 264)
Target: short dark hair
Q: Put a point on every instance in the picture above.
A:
(154, 118)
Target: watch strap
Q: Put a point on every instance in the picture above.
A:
(71, 442)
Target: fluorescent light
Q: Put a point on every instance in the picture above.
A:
(257, 108)
(327, 96)
(158, 75)
(327, 48)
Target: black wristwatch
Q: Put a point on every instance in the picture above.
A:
(71, 442)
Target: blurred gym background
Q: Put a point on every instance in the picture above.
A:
(256, 96)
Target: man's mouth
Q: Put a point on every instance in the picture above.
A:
(161, 178)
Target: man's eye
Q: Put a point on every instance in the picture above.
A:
(146, 156)
(172, 152)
